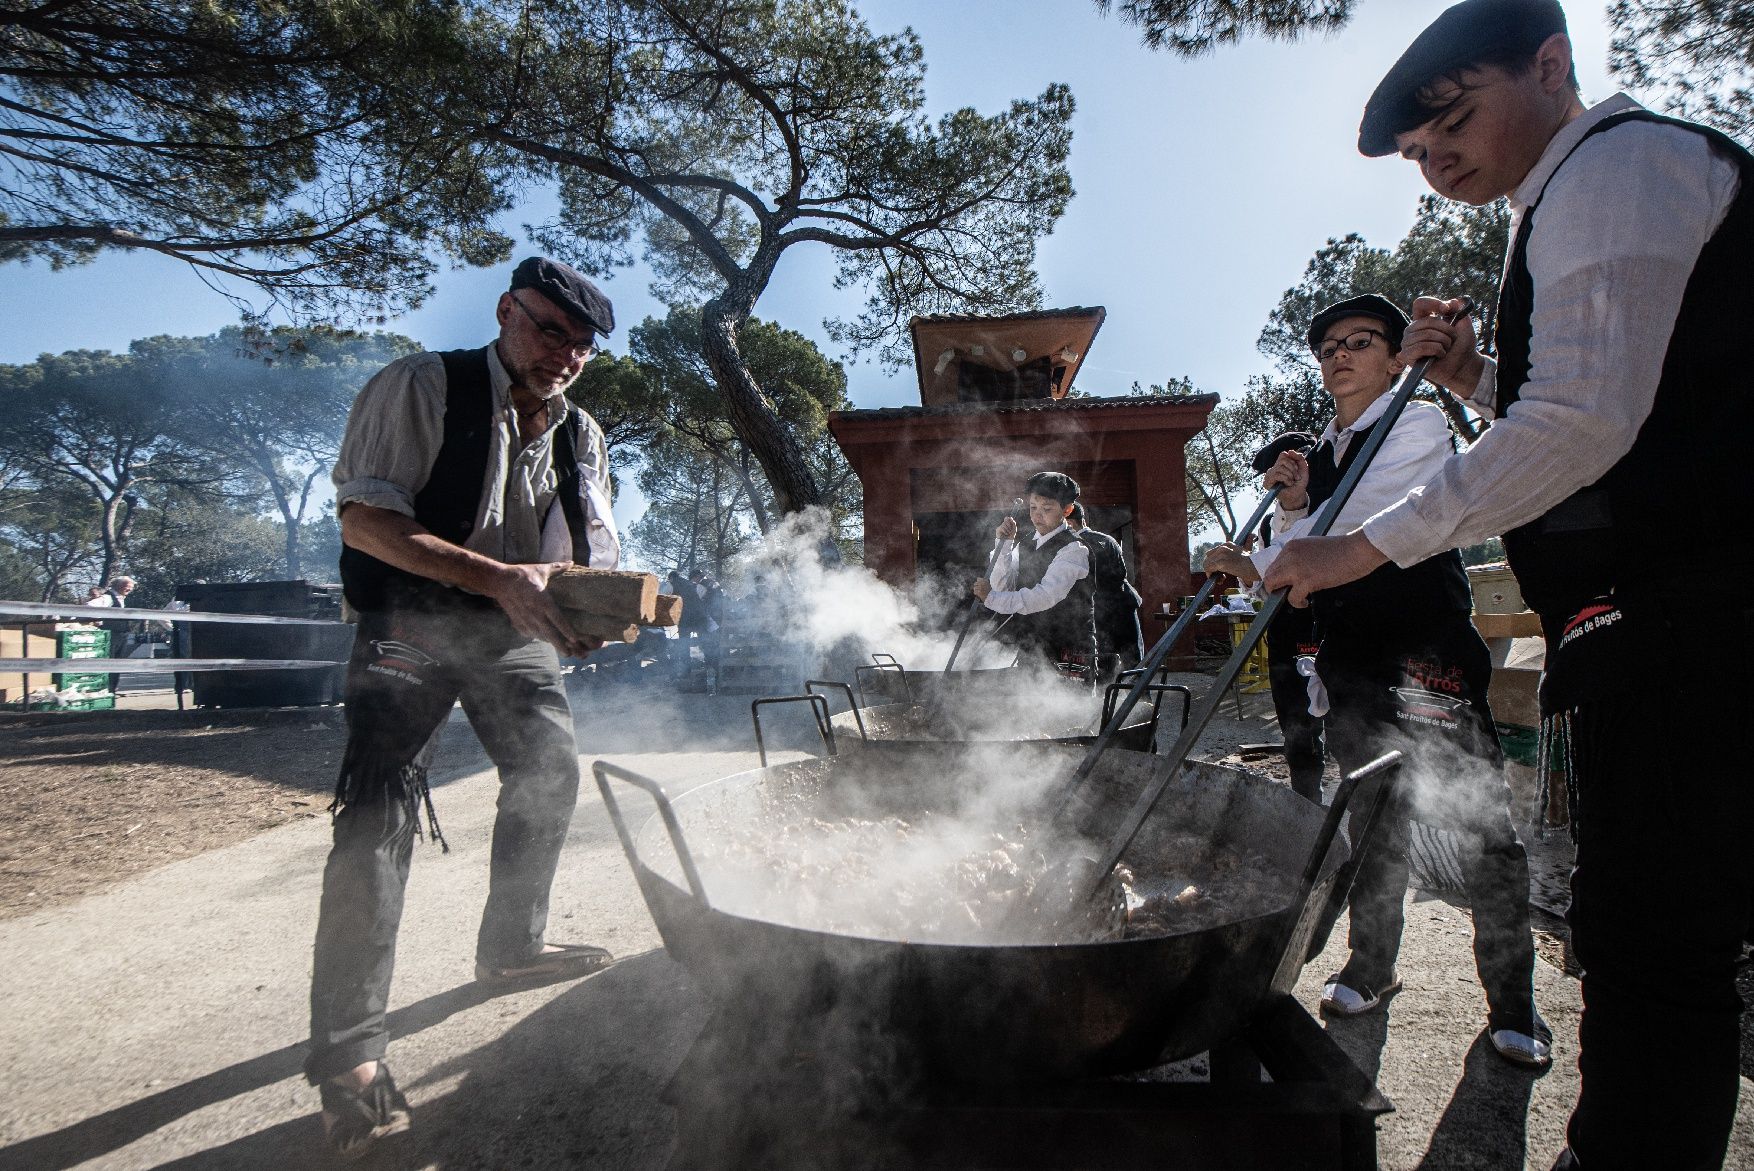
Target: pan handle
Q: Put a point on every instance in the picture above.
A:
(860, 672)
(810, 686)
(605, 772)
(1377, 780)
(818, 708)
(883, 660)
(1156, 691)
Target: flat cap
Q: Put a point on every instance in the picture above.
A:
(1368, 305)
(1298, 441)
(1469, 33)
(567, 287)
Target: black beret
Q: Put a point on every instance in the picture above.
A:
(1471, 33)
(1369, 305)
(583, 301)
(1298, 441)
(1056, 485)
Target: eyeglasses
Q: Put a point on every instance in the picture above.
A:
(1358, 339)
(554, 337)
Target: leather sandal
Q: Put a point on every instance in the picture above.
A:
(572, 960)
(354, 1121)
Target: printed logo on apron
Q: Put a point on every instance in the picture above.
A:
(1430, 693)
(400, 660)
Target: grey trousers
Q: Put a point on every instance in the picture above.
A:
(407, 670)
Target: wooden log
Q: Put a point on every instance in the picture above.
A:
(612, 593)
(669, 611)
(605, 627)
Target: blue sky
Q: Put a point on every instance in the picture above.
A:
(1203, 188)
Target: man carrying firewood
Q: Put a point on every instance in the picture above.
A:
(465, 481)
(1618, 384)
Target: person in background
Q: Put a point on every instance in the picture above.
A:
(1119, 641)
(1044, 582)
(1618, 386)
(465, 481)
(1405, 669)
(1291, 637)
(121, 631)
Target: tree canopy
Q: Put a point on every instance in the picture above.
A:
(1699, 53)
(1191, 28)
(248, 138)
(95, 445)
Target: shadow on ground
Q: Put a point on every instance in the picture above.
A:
(575, 1083)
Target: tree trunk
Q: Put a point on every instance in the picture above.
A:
(755, 505)
(752, 414)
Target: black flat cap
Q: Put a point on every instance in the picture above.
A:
(1299, 441)
(1470, 33)
(1369, 305)
(567, 287)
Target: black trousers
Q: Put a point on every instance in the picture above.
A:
(1293, 633)
(406, 672)
(1423, 691)
(1661, 901)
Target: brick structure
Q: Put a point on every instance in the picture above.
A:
(938, 477)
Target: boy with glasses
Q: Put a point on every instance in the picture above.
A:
(1404, 668)
(1621, 413)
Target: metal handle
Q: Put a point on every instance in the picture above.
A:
(859, 673)
(818, 708)
(605, 772)
(1381, 770)
(1154, 660)
(883, 660)
(810, 686)
(1157, 691)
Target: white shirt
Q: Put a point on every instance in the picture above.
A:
(1413, 452)
(1614, 244)
(1063, 572)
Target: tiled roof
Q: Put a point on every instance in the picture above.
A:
(1041, 404)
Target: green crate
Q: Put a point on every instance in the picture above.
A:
(82, 682)
(93, 703)
(82, 644)
(1521, 745)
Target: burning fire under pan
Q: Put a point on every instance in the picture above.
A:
(853, 921)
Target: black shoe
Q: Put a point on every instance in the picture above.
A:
(354, 1121)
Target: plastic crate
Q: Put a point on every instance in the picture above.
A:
(82, 644)
(1521, 745)
(90, 703)
(82, 682)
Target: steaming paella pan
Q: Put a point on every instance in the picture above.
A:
(892, 704)
(874, 891)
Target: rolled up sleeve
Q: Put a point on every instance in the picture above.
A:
(393, 435)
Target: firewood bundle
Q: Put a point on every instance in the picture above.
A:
(612, 604)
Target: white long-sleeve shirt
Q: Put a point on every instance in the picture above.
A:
(1063, 572)
(1413, 452)
(1614, 243)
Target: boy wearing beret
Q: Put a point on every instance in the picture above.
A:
(1044, 581)
(1618, 390)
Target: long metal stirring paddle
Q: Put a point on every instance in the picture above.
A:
(1169, 765)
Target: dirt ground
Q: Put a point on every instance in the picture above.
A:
(96, 798)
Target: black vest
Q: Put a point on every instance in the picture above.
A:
(1068, 627)
(1684, 477)
(449, 503)
(1388, 595)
